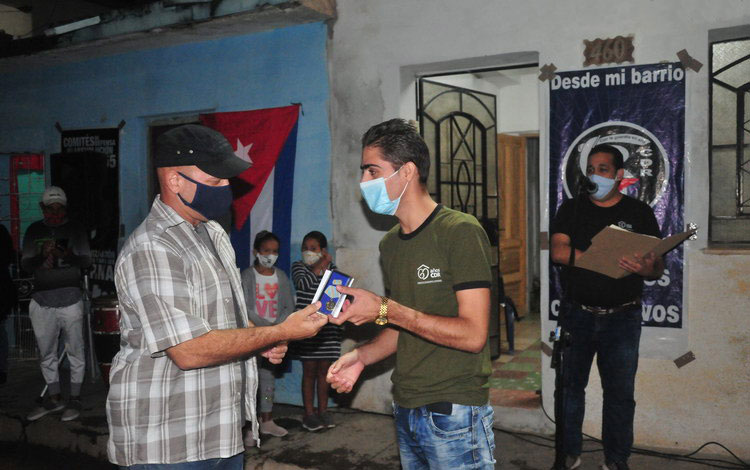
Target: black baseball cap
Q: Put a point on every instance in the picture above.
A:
(193, 144)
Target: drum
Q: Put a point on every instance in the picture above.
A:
(105, 325)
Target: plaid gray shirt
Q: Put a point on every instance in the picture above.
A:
(172, 289)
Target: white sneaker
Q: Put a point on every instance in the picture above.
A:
(273, 429)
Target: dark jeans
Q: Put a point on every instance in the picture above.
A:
(229, 463)
(614, 339)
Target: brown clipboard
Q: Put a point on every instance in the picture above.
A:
(612, 243)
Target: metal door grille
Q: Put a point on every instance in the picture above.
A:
(459, 127)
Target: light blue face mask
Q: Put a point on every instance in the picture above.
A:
(603, 186)
(375, 195)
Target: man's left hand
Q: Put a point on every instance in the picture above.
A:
(642, 265)
(363, 309)
(275, 354)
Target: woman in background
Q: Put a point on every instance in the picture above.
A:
(316, 353)
(268, 294)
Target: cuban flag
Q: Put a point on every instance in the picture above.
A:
(263, 193)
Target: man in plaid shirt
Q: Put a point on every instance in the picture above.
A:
(184, 380)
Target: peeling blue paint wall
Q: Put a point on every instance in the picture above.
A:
(261, 70)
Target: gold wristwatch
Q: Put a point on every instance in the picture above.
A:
(383, 313)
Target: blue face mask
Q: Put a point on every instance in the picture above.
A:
(211, 202)
(375, 195)
(603, 186)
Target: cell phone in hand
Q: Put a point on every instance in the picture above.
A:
(330, 298)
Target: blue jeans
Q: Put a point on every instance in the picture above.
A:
(614, 338)
(230, 463)
(461, 440)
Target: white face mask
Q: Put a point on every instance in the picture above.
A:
(267, 260)
(311, 257)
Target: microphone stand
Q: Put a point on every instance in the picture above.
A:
(561, 340)
(91, 356)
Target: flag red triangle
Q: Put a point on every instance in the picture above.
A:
(264, 131)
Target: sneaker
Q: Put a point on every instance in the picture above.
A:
(312, 423)
(50, 405)
(326, 420)
(273, 429)
(73, 410)
(572, 461)
(607, 465)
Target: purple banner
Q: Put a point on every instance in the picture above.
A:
(640, 110)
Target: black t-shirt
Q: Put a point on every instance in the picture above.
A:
(589, 287)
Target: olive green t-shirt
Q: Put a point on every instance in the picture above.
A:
(423, 270)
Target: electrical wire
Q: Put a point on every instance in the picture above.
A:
(711, 462)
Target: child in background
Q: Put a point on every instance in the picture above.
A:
(268, 294)
(316, 353)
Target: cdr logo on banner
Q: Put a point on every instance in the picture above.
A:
(645, 161)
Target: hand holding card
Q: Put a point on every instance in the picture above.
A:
(330, 298)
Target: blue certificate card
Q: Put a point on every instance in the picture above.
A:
(330, 298)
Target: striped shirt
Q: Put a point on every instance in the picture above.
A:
(326, 345)
(171, 289)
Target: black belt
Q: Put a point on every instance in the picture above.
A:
(608, 310)
(442, 407)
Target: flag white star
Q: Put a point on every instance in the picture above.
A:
(243, 151)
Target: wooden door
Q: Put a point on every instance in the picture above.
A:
(511, 153)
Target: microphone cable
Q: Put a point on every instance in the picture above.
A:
(543, 441)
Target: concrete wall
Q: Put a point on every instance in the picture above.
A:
(376, 50)
(519, 102)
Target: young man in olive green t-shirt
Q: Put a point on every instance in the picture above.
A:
(436, 265)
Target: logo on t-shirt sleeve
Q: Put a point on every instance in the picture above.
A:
(428, 275)
(624, 225)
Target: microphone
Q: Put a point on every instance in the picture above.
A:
(588, 186)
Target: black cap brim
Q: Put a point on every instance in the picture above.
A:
(201, 146)
(225, 168)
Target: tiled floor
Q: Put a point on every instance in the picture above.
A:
(516, 378)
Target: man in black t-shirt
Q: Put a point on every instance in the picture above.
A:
(604, 314)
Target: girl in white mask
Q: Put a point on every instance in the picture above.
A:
(268, 294)
(316, 353)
